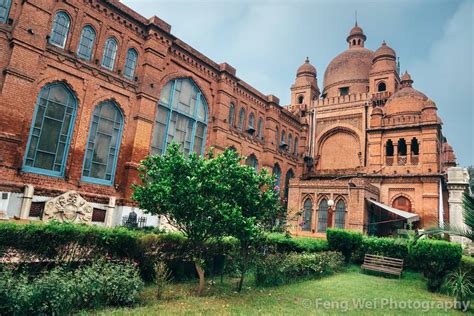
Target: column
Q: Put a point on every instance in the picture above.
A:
(110, 208)
(26, 201)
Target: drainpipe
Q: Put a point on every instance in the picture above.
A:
(26, 202)
(441, 206)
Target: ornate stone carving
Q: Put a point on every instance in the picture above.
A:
(69, 207)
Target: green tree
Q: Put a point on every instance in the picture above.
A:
(186, 191)
(254, 199)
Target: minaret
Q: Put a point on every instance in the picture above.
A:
(356, 37)
(305, 89)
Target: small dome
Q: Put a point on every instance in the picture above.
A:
(356, 32)
(429, 104)
(384, 51)
(306, 69)
(406, 99)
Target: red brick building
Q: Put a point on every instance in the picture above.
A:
(89, 88)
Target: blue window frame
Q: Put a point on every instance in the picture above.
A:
(340, 214)
(110, 53)
(323, 216)
(103, 144)
(252, 162)
(50, 132)
(260, 128)
(307, 215)
(60, 29)
(130, 64)
(4, 10)
(86, 43)
(231, 114)
(277, 174)
(181, 117)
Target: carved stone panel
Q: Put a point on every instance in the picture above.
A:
(69, 207)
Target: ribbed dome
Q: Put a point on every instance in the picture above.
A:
(384, 51)
(356, 30)
(406, 99)
(306, 69)
(352, 65)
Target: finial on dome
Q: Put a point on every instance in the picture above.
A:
(406, 80)
(306, 60)
(383, 43)
(355, 17)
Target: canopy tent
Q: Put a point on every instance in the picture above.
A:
(410, 217)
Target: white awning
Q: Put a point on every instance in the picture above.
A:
(410, 217)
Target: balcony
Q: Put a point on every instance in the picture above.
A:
(389, 161)
(402, 160)
(414, 159)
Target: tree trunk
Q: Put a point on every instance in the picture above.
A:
(244, 254)
(200, 272)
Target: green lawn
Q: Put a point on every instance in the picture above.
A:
(303, 298)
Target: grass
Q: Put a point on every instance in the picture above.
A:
(343, 292)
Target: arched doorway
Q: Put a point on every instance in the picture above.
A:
(402, 203)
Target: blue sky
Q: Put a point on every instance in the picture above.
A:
(266, 41)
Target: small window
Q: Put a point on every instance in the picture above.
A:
(130, 64)
(290, 140)
(283, 137)
(4, 10)
(340, 214)
(358, 42)
(295, 150)
(389, 148)
(277, 174)
(344, 91)
(260, 128)
(277, 136)
(110, 53)
(252, 162)
(323, 216)
(415, 147)
(241, 119)
(300, 99)
(307, 215)
(36, 209)
(86, 43)
(402, 147)
(251, 121)
(60, 29)
(381, 87)
(231, 114)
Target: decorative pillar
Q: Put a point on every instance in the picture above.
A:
(458, 183)
(26, 201)
(110, 208)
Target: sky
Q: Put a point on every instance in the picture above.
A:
(267, 40)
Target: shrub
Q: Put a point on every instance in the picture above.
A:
(435, 258)
(467, 264)
(277, 269)
(383, 246)
(62, 292)
(347, 242)
(162, 277)
(286, 243)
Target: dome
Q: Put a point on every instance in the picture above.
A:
(306, 69)
(406, 99)
(356, 31)
(352, 65)
(384, 51)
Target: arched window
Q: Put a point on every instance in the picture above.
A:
(402, 147)
(60, 29)
(308, 215)
(277, 174)
(51, 130)
(295, 150)
(283, 137)
(381, 87)
(340, 214)
(251, 121)
(415, 147)
(4, 10)
(323, 216)
(181, 117)
(290, 140)
(358, 42)
(260, 128)
(389, 148)
(300, 99)
(130, 64)
(103, 144)
(252, 162)
(289, 175)
(110, 52)
(277, 136)
(231, 114)
(86, 43)
(241, 119)
(402, 203)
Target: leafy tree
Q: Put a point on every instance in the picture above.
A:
(186, 191)
(255, 203)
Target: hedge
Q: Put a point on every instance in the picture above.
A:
(383, 246)
(283, 268)
(286, 243)
(345, 241)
